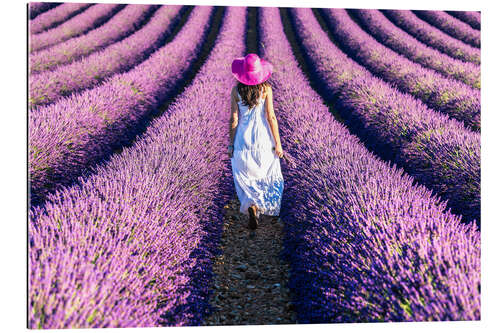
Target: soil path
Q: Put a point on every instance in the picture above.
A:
(250, 278)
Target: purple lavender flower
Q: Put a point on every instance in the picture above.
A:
(390, 35)
(395, 124)
(77, 25)
(365, 243)
(37, 8)
(432, 36)
(451, 25)
(72, 135)
(132, 245)
(471, 18)
(119, 26)
(49, 86)
(453, 98)
(55, 16)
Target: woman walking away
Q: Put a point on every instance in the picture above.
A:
(254, 142)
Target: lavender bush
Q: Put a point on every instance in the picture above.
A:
(47, 87)
(37, 8)
(77, 25)
(57, 15)
(432, 36)
(451, 97)
(390, 35)
(118, 27)
(364, 242)
(132, 244)
(452, 26)
(394, 124)
(471, 18)
(68, 137)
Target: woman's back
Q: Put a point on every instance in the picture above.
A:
(253, 131)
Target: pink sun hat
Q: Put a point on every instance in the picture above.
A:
(251, 69)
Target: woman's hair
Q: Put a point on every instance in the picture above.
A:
(250, 94)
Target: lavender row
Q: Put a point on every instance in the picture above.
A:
(438, 151)
(68, 137)
(76, 26)
(118, 27)
(432, 36)
(364, 243)
(47, 87)
(448, 96)
(451, 25)
(390, 35)
(141, 233)
(471, 18)
(55, 16)
(37, 8)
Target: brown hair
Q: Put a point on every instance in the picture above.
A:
(250, 94)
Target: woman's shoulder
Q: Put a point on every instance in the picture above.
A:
(235, 93)
(268, 90)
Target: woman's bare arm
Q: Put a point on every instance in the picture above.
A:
(233, 122)
(271, 118)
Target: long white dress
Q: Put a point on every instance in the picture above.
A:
(256, 167)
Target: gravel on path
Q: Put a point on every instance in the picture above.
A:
(249, 276)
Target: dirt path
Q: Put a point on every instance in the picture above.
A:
(250, 278)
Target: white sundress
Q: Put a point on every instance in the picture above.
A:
(256, 167)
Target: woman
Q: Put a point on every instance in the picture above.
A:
(254, 142)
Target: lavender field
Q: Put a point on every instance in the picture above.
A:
(129, 178)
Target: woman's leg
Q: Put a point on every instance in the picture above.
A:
(253, 220)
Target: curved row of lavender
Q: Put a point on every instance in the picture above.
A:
(55, 16)
(451, 97)
(68, 137)
(438, 151)
(47, 87)
(119, 26)
(432, 36)
(143, 230)
(37, 8)
(364, 243)
(451, 25)
(76, 26)
(390, 35)
(471, 18)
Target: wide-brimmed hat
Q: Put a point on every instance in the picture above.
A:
(251, 69)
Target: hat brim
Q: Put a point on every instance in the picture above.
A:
(251, 78)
